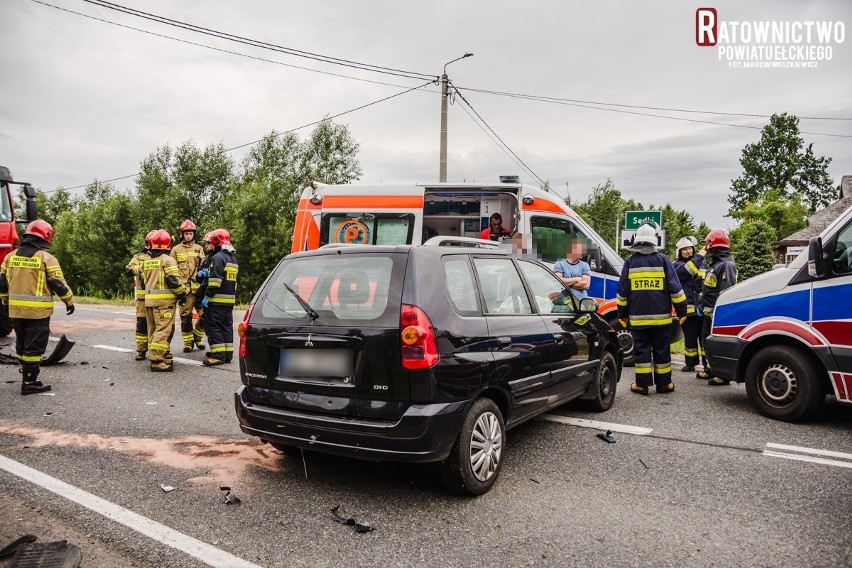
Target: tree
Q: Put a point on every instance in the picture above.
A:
(752, 247)
(784, 216)
(780, 161)
(604, 210)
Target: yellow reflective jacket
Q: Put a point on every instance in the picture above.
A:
(188, 257)
(30, 282)
(135, 267)
(162, 281)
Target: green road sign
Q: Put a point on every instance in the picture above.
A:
(634, 219)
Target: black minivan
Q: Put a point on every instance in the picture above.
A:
(418, 354)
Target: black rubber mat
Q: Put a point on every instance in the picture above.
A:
(58, 554)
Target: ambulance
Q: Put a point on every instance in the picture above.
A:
(787, 333)
(389, 214)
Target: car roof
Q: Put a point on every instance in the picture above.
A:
(419, 250)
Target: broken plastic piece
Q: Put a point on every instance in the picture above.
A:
(63, 347)
(231, 499)
(166, 488)
(49, 413)
(10, 548)
(360, 526)
(609, 436)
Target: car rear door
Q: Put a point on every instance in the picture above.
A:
(519, 340)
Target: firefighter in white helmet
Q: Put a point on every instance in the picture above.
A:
(689, 267)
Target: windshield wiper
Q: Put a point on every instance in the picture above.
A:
(305, 306)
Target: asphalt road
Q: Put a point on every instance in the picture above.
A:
(698, 484)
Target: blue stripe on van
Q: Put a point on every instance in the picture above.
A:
(787, 304)
(833, 302)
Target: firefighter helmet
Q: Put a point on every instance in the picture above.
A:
(187, 225)
(685, 242)
(161, 240)
(220, 237)
(148, 238)
(645, 234)
(206, 238)
(717, 238)
(41, 229)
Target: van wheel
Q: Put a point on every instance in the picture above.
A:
(784, 383)
(476, 458)
(607, 379)
(625, 341)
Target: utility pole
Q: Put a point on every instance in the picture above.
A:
(442, 172)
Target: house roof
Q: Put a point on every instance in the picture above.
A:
(817, 222)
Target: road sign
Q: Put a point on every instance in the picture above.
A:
(634, 219)
(627, 239)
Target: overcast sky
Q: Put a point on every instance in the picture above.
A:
(83, 99)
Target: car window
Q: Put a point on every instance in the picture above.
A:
(843, 251)
(344, 287)
(460, 286)
(551, 296)
(502, 289)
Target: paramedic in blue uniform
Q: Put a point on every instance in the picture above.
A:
(688, 267)
(721, 275)
(647, 291)
(495, 230)
(573, 270)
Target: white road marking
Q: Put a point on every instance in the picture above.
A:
(803, 455)
(204, 552)
(583, 423)
(812, 459)
(125, 350)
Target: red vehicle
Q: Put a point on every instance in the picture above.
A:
(8, 230)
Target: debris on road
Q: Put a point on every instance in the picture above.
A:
(229, 498)
(166, 488)
(609, 436)
(10, 548)
(59, 554)
(643, 463)
(360, 526)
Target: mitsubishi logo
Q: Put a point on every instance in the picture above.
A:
(309, 343)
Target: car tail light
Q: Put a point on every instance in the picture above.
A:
(417, 339)
(242, 331)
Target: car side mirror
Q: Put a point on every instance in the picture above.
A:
(588, 306)
(816, 258)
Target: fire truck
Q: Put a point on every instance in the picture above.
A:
(8, 229)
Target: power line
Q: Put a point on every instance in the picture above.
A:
(259, 140)
(526, 167)
(260, 44)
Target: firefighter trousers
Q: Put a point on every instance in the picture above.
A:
(141, 327)
(693, 343)
(652, 355)
(706, 327)
(31, 337)
(160, 320)
(219, 325)
(186, 330)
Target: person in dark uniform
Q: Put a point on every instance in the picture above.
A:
(219, 299)
(647, 291)
(721, 275)
(688, 267)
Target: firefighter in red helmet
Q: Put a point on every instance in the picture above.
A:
(188, 255)
(721, 275)
(23, 276)
(163, 290)
(219, 299)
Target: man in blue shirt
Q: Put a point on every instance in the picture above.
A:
(574, 272)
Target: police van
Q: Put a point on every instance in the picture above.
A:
(787, 333)
(394, 214)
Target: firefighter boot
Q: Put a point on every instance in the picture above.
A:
(162, 367)
(140, 355)
(639, 390)
(200, 345)
(212, 362)
(187, 348)
(168, 356)
(662, 389)
(30, 384)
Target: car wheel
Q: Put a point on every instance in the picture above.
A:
(625, 341)
(785, 384)
(476, 458)
(607, 379)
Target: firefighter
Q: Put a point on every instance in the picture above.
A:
(163, 289)
(688, 267)
(134, 269)
(201, 277)
(219, 299)
(647, 291)
(188, 255)
(721, 275)
(29, 277)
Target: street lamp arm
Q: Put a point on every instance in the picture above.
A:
(456, 59)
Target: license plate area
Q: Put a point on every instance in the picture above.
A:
(328, 365)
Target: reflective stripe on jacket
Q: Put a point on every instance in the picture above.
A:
(689, 272)
(222, 283)
(188, 257)
(162, 281)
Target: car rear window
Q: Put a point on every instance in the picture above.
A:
(339, 288)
